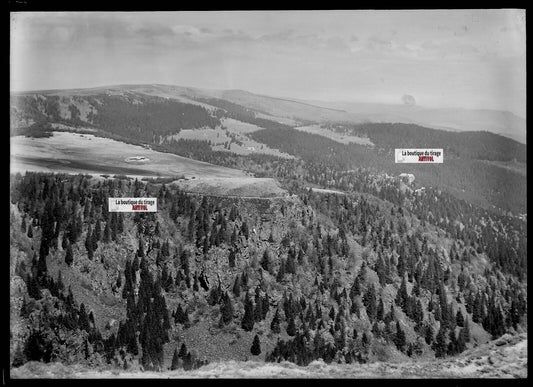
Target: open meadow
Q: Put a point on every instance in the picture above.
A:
(83, 153)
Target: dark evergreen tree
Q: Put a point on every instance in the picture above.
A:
(89, 243)
(291, 327)
(23, 226)
(97, 230)
(429, 334)
(107, 233)
(69, 257)
(258, 309)
(370, 302)
(400, 339)
(265, 261)
(459, 319)
(440, 344)
(256, 346)
(181, 316)
(183, 351)
(175, 360)
(248, 319)
(226, 309)
(381, 310)
(237, 286)
(402, 295)
(275, 324)
(281, 271)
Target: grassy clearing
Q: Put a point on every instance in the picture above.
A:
(230, 137)
(71, 152)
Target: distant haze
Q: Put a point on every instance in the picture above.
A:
(472, 59)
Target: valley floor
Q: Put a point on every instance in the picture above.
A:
(502, 358)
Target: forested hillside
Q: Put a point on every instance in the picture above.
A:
(474, 167)
(465, 145)
(375, 274)
(490, 186)
(133, 116)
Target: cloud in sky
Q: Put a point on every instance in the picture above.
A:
(440, 57)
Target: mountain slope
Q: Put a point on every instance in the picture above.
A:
(348, 278)
(456, 119)
(156, 114)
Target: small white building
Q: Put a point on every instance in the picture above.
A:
(407, 177)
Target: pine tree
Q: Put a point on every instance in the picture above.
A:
(23, 226)
(226, 309)
(370, 302)
(237, 286)
(65, 240)
(429, 334)
(258, 310)
(265, 261)
(381, 270)
(140, 250)
(181, 316)
(459, 319)
(381, 310)
(256, 346)
(440, 343)
(366, 340)
(98, 230)
(42, 268)
(466, 331)
(231, 258)
(175, 360)
(248, 319)
(291, 327)
(107, 233)
(281, 271)
(461, 341)
(452, 344)
(69, 258)
(94, 241)
(400, 339)
(375, 330)
(290, 266)
(183, 351)
(89, 243)
(275, 325)
(402, 296)
(265, 306)
(244, 230)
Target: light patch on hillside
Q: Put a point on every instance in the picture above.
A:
(230, 137)
(282, 120)
(328, 191)
(85, 153)
(335, 136)
(249, 187)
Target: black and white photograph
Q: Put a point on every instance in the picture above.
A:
(268, 194)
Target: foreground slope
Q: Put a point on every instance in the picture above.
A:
(351, 279)
(502, 358)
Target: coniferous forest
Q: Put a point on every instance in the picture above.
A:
(346, 278)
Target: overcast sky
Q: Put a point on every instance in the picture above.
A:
(471, 59)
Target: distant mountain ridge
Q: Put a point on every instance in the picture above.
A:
(457, 119)
(504, 123)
